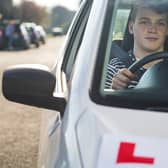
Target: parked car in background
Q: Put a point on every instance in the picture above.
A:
(33, 33)
(57, 31)
(87, 125)
(42, 33)
(21, 37)
(2, 37)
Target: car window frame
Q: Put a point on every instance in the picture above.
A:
(94, 91)
(76, 36)
(67, 55)
(126, 98)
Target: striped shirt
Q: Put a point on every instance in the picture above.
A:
(115, 65)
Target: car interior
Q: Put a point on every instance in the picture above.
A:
(151, 92)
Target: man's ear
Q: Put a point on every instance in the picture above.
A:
(130, 27)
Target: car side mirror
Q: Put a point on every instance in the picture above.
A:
(32, 85)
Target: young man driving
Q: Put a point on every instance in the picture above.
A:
(149, 27)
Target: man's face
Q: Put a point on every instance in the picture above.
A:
(149, 30)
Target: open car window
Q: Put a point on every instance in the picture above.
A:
(117, 42)
(117, 46)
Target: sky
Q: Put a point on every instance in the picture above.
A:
(72, 4)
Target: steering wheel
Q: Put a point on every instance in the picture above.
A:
(143, 96)
(149, 58)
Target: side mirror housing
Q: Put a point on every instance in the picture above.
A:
(32, 84)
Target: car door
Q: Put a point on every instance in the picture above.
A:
(129, 124)
(108, 128)
(63, 68)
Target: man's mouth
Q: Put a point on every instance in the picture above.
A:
(151, 38)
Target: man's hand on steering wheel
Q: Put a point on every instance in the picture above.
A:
(122, 79)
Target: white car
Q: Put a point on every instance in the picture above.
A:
(88, 126)
(42, 33)
(57, 31)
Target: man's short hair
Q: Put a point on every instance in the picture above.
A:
(158, 6)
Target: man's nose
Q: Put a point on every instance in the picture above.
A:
(152, 27)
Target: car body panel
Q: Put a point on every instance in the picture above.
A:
(87, 133)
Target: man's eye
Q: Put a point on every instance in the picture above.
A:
(144, 22)
(162, 24)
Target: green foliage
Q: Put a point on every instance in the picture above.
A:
(120, 24)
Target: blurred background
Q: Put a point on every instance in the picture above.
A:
(38, 31)
(34, 19)
(48, 13)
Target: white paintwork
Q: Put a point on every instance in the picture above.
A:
(153, 148)
(90, 133)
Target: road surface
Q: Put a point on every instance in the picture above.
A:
(20, 124)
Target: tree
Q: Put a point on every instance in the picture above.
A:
(62, 17)
(29, 11)
(6, 7)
